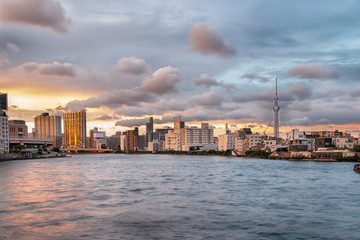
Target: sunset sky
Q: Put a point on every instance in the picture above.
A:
(213, 61)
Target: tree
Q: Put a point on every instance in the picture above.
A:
(356, 148)
(103, 146)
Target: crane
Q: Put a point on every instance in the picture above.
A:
(267, 128)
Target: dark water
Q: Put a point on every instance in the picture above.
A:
(177, 197)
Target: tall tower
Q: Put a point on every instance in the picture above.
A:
(276, 109)
(75, 130)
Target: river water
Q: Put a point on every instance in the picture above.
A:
(116, 196)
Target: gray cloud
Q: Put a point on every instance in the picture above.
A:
(13, 47)
(266, 95)
(163, 81)
(209, 99)
(50, 69)
(313, 71)
(207, 41)
(255, 77)
(105, 117)
(305, 121)
(44, 13)
(132, 65)
(301, 90)
(128, 97)
(204, 79)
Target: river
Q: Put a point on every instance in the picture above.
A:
(118, 196)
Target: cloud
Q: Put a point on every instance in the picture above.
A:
(256, 77)
(50, 69)
(43, 13)
(301, 90)
(164, 80)
(267, 96)
(305, 121)
(313, 71)
(13, 47)
(4, 58)
(208, 99)
(118, 98)
(105, 117)
(207, 41)
(133, 66)
(204, 79)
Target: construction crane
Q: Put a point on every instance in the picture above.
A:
(267, 128)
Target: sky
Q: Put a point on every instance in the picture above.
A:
(208, 61)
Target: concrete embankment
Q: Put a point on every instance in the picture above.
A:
(18, 156)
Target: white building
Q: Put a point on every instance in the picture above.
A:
(253, 140)
(173, 140)
(239, 144)
(196, 137)
(270, 144)
(4, 133)
(343, 142)
(227, 141)
(296, 134)
(123, 143)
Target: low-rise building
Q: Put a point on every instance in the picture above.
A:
(18, 129)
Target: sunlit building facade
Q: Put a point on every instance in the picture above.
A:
(48, 127)
(75, 130)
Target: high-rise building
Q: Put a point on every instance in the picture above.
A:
(196, 136)
(150, 130)
(75, 130)
(173, 137)
(4, 132)
(132, 139)
(276, 109)
(178, 124)
(48, 127)
(3, 101)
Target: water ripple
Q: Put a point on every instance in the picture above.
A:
(177, 197)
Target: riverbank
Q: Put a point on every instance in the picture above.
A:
(18, 156)
(229, 154)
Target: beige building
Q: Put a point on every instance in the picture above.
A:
(343, 142)
(227, 141)
(18, 129)
(75, 130)
(48, 127)
(173, 140)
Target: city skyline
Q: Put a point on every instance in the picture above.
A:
(213, 63)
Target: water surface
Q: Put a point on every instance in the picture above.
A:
(115, 196)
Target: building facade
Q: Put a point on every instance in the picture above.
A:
(196, 137)
(18, 129)
(75, 130)
(97, 138)
(4, 132)
(227, 141)
(48, 127)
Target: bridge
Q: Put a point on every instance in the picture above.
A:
(30, 141)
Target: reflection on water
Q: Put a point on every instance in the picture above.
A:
(177, 197)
